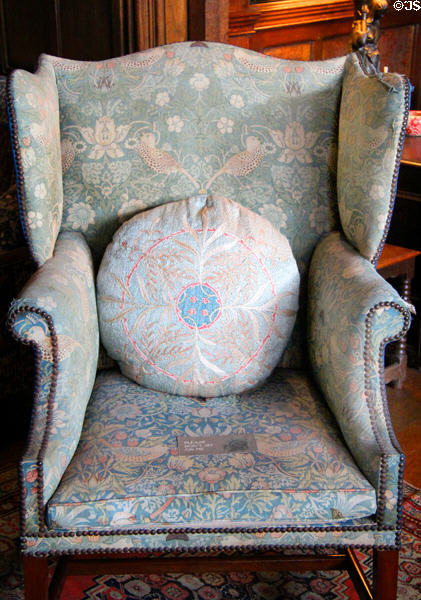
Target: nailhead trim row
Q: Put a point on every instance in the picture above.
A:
(225, 530)
(371, 409)
(50, 402)
(201, 549)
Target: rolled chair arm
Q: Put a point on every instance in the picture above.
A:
(353, 314)
(56, 313)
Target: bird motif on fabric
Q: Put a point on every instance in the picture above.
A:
(123, 518)
(144, 59)
(247, 61)
(66, 344)
(159, 160)
(44, 133)
(67, 155)
(374, 137)
(243, 163)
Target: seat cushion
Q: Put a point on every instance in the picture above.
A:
(127, 471)
(197, 297)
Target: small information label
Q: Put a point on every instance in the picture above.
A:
(216, 444)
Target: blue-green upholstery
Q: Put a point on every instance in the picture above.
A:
(96, 143)
(129, 473)
(176, 318)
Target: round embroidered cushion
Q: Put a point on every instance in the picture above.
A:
(197, 297)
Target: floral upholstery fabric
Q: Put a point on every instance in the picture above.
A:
(352, 310)
(159, 126)
(374, 112)
(258, 130)
(64, 289)
(197, 297)
(127, 470)
(37, 131)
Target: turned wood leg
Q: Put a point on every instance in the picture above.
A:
(35, 573)
(385, 574)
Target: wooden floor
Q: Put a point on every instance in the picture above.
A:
(405, 410)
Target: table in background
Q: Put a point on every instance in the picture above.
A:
(396, 261)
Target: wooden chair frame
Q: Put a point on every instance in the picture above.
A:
(385, 569)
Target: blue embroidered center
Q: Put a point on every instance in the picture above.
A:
(198, 305)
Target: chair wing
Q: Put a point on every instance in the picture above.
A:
(373, 117)
(34, 118)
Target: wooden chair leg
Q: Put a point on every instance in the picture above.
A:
(385, 574)
(35, 573)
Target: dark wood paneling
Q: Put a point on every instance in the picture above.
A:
(325, 26)
(28, 29)
(291, 51)
(396, 47)
(90, 30)
(85, 29)
(337, 45)
(73, 29)
(208, 20)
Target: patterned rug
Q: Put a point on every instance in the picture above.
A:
(329, 585)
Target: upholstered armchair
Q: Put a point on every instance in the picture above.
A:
(307, 153)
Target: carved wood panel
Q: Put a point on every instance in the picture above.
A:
(319, 29)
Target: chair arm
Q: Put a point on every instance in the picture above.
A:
(33, 109)
(353, 314)
(56, 313)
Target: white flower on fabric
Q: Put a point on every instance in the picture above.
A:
(295, 143)
(79, 146)
(237, 101)
(40, 191)
(131, 143)
(47, 302)
(105, 138)
(377, 192)
(162, 98)
(225, 125)
(34, 219)
(199, 82)
(175, 124)
(390, 499)
(80, 216)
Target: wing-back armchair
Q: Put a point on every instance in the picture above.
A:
(313, 148)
